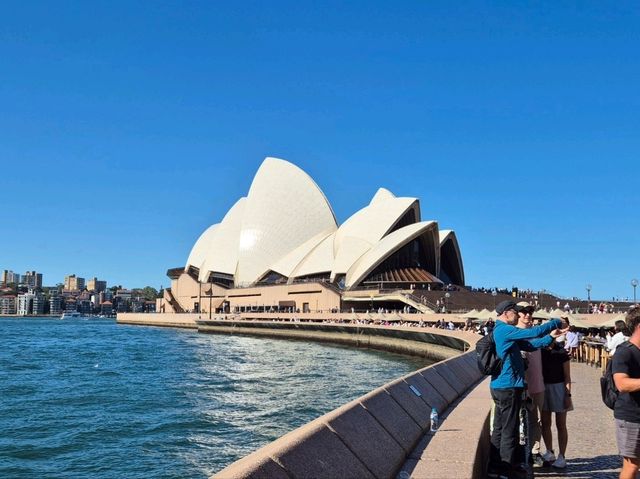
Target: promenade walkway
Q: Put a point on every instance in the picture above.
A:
(592, 451)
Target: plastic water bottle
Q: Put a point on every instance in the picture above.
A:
(434, 420)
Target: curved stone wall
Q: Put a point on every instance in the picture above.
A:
(422, 342)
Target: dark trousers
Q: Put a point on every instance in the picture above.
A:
(505, 439)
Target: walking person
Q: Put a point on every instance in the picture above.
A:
(507, 387)
(556, 370)
(626, 375)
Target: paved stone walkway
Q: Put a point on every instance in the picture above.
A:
(592, 450)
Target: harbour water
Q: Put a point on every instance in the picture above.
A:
(90, 398)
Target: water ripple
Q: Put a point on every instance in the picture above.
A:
(93, 398)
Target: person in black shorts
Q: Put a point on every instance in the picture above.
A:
(626, 375)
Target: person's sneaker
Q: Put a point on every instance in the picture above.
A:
(559, 463)
(538, 461)
(497, 472)
(549, 456)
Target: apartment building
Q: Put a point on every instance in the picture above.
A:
(55, 304)
(25, 304)
(94, 284)
(8, 305)
(32, 279)
(9, 277)
(38, 305)
(73, 283)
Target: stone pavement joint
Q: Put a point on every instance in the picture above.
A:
(592, 451)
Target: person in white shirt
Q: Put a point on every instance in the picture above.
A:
(571, 345)
(617, 339)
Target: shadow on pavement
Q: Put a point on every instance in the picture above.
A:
(599, 467)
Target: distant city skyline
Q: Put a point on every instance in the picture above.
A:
(69, 281)
(127, 129)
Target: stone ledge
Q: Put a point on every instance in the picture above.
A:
(460, 447)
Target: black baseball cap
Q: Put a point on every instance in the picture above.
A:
(505, 305)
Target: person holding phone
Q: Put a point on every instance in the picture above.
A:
(507, 387)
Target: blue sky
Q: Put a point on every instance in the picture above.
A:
(127, 128)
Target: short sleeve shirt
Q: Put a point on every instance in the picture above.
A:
(627, 360)
(553, 365)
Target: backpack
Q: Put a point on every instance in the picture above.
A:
(608, 389)
(489, 363)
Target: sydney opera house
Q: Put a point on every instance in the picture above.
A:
(280, 249)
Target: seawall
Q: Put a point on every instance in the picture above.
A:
(162, 320)
(398, 340)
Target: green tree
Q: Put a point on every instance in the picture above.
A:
(149, 293)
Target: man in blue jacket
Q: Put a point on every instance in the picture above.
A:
(507, 387)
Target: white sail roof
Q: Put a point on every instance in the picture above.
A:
(319, 260)
(222, 252)
(381, 194)
(444, 235)
(202, 246)
(286, 225)
(285, 208)
(389, 244)
(449, 236)
(286, 265)
(366, 227)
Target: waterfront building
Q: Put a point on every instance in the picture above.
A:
(98, 299)
(32, 279)
(73, 283)
(38, 305)
(137, 305)
(55, 303)
(96, 285)
(122, 303)
(70, 305)
(106, 308)
(124, 294)
(25, 303)
(8, 304)
(280, 248)
(95, 301)
(122, 300)
(84, 306)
